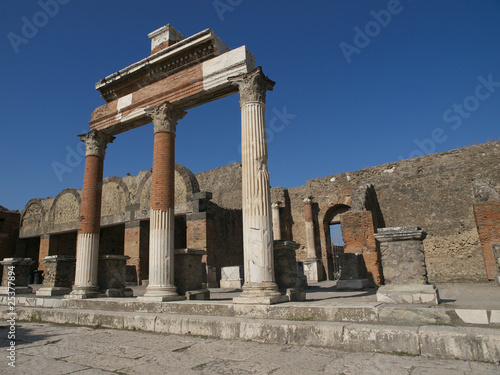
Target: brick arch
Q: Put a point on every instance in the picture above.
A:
(112, 204)
(75, 211)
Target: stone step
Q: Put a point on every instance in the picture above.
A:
(466, 343)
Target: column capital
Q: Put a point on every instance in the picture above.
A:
(165, 117)
(276, 204)
(308, 200)
(252, 86)
(96, 142)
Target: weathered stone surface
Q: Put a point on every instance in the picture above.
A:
(408, 293)
(402, 255)
(231, 277)
(467, 343)
(484, 192)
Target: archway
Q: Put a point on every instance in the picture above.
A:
(334, 239)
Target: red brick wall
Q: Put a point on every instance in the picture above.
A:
(487, 216)
(357, 231)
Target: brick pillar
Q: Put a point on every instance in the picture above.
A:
(358, 233)
(487, 216)
(45, 242)
(87, 248)
(161, 243)
(134, 247)
(260, 286)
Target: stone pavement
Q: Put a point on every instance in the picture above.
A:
(45, 348)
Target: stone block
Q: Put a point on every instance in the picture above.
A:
(467, 343)
(402, 255)
(352, 266)
(473, 316)
(112, 276)
(388, 339)
(59, 275)
(313, 271)
(189, 270)
(22, 269)
(231, 277)
(411, 293)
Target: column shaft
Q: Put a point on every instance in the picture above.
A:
(276, 221)
(310, 240)
(161, 234)
(87, 248)
(258, 257)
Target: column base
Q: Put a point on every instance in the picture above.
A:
(4, 291)
(160, 294)
(83, 292)
(260, 294)
(497, 279)
(52, 291)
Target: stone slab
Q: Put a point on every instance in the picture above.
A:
(473, 316)
(52, 291)
(411, 293)
(231, 284)
(260, 300)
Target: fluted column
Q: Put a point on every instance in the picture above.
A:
(260, 286)
(276, 221)
(87, 248)
(161, 234)
(310, 240)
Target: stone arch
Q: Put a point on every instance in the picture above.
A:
(33, 215)
(65, 208)
(185, 183)
(115, 196)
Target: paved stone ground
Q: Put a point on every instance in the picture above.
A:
(57, 349)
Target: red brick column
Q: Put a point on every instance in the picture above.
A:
(87, 248)
(44, 250)
(487, 216)
(161, 246)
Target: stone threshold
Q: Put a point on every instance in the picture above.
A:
(367, 312)
(466, 343)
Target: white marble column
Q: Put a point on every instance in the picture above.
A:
(276, 221)
(161, 235)
(87, 248)
(260, 286)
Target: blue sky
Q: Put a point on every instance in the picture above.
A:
(358, 83)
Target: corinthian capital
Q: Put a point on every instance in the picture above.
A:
(165, 117)
(96, 142)
(252, 86)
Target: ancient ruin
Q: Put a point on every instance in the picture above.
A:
(181, 234)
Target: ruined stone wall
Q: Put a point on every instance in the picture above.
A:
(225, 185)
(434, 192)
